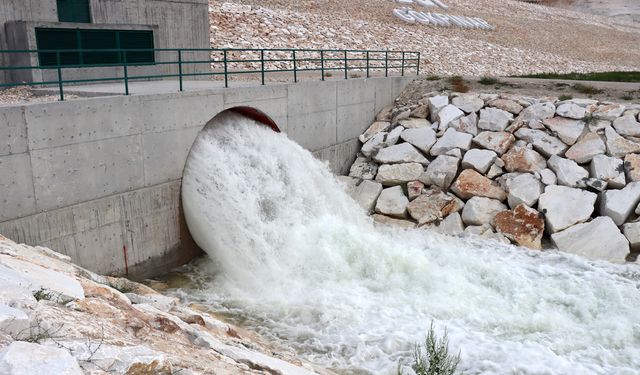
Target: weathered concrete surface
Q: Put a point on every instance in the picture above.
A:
(99, 178)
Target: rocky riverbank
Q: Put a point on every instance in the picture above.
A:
(533, 171)
(58, 318)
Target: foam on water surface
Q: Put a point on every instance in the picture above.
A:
(299, 260)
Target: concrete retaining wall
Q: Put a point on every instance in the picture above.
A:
(99, 179)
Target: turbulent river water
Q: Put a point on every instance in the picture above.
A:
(300, 263)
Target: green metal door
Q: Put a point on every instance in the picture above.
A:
(74, 11)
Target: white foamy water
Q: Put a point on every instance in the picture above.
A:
(301, 263)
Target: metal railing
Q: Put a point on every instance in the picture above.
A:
(190, 63)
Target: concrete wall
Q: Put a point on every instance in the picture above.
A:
(176, 24)
(93, 178)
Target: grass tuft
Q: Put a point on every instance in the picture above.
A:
(587, 89)
(433, 77)
(488, 81)
(601, 76)
(565, 97)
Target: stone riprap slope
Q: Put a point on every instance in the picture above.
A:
(528, 38)
(514, 168)
(57, 318)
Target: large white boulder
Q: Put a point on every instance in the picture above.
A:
(632, 232)
(599, 239)
(609, 112)
(366, 193)
(415, 123)
(480, 210)
(436, 103)
(480, 160)
(396, 174)
(468, 103)
(571, 110)
(363, 168)
(586, 148)
(568, 172)
(627, 125)
(524, 188)
(24, 358)
(374, 144)
(392, 202)
(13, 322)
(400, 153)
(619, 204)
(523, 159)
(467, 124)
(375, 128)
(441, 171)
(535, 113)
(499, 142)
(618, 146)
(420, 138)
(494, 119)
(568, 130)
(434, 205)
(447, 114)
(542, 142)
(452, 225)
(564, 206)
(506, 105)
(451, 139)
(608, 169)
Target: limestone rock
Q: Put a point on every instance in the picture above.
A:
(495, 171)
(396, 174)
(627, 125)
(564, 206)
(472, 184)
(535, 113)
(480, 160)
(456, 153)
(632, 232)
(392, 202)
(450, 140)
(452, 225)
(632, 167)
(596, 126)
(608, 169)
(399, 114)
(13, 322)
(588, 147)
(523, 225)
(568, 172)
(570, 110)
(617, 146)
(566, 129)
(478, 230)
(548, 177)
(421, 112)
(582, 102)
(467, 124)
(468, 103)
(385, 114)
(375, 128)
(441, 171)
(494, 119)
(393, 136)
(499, 142)
(414, 189)
(386, 220)
(523, 189)
(421, 138)
(363, 168)
(480, 210)
(400, 153)
(619, 204)
(447, 114)
(542, 142)
(415, 123)
(436, 103)
(24, 358)
(432, 206)
(506, 105)
(374, 144)
(600, 239)
(609, 112)
(523, 159)
(366, 193)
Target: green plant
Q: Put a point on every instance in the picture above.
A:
(587, 89)
(627, 96)
(43, 295)
(600, 76)
(433, 77)
(565, 97)
(487, 81)
(436, 359)
(328, 74)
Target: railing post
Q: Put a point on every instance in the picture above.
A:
(345, 65)
(59, 75)
(322, 63)
(262, 64)
(126, 72)
(402, 68)
(386, 63)
(367, 64)
(180, 68)
(226, 77)
(418, 65)
(295, 67)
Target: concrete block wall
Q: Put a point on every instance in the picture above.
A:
(99, 178)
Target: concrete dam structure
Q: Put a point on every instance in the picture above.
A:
(99, 178)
